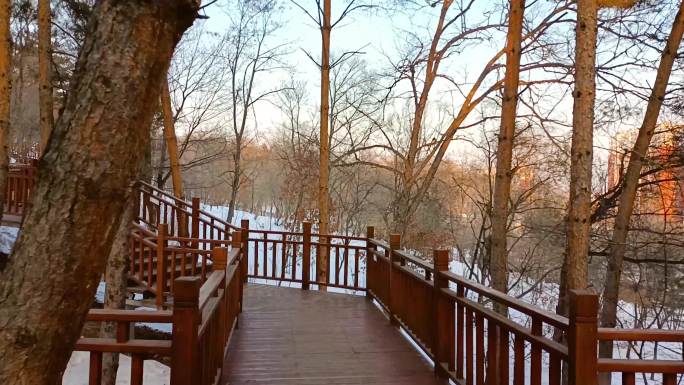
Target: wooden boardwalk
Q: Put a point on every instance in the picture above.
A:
(292, 336)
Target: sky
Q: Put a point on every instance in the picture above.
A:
(376, 33)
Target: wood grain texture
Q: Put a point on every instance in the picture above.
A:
(290, 336)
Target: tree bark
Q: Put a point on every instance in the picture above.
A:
(44, 73)
(504, 151)
(171, 142)
(116, 279)
(235, 182)
(96, 149)
(578, 222)
(5, 93)
(324, 169)
(630, 182)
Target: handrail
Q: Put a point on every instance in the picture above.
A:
(545, 316)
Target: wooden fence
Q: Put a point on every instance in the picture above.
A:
(205, 312)
(20, 183)
(453, 320)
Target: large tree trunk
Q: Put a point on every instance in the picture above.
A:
(324, 169)
(48, 284)
(171, 142)
(578, 222)
(504, 151)
(630, 181)
(5, 92)
(116, 280)
(44, 73)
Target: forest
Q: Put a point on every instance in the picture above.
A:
(540, 143)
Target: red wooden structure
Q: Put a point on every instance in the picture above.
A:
(197, 264)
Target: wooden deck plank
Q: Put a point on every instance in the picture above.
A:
(291, 336)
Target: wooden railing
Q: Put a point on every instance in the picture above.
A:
(473, 334)
(157, 259)
(184, 220)
(669, 370)
(461, 326)
(204, 314)
(21, 180)
(293, 256)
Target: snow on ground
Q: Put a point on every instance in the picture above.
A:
(77, 370)
(544, 296)
(7, 237)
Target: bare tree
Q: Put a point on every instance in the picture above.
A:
(630, 181)
(574, 275)
(504, 152)
(45, 64)
(5, 94)
(250, 57)
(95, 154)
(171, 142)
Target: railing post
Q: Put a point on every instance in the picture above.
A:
(370, 258)
(219, 255)
(195, 221)
(236, 243)
(244, 224)
(186, 320)
(395, 244)
(306, 255)
(443, 317)
(583, 338)
(162, 231)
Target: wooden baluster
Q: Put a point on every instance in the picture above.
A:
(295, 247)
(554, 369)
(283, 256)
(345, 261)
(519, 360)
(395, 244)
(504, 351)
(628, 379)
(535, 354)
(95, 372)
(186, 320)
(172, 276)
(443, 317)
(669, 379)
(469, 347)
(339, 264)
(460, 324)
(357, 261)
(480, 352)
(137, 366)
(244, 224)
(306, 255)
(582, 338)
(370, 264)
(142, 257)
(492, 353)
(162, 244)
(265, 252)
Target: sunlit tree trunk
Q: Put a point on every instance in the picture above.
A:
(324, 168)
(44, 72)
(504, 151)
(578, 223)
(630, 182)
(116, 280)
(171, 142)
(5, 92)
(96, 149)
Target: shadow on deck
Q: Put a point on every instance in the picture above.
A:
(292, 336)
